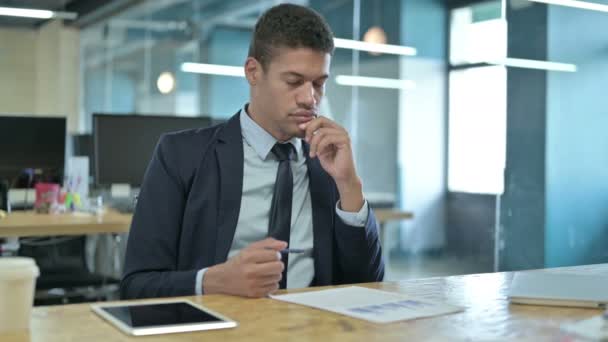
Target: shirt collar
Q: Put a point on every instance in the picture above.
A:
(259, 139)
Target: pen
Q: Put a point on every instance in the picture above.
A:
(292, 250)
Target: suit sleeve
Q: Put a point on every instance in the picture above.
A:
(152, 248)
(359, 255)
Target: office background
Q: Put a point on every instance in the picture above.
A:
(492, 133)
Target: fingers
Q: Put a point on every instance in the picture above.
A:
(263, 291)
(270, 289)
(257, 256)
(322, 134)
(314, 125)
(263, 251)
(268, 243)
(256, 270)
(268, 269)
(263, 278)
(329, 143)
(271, 280)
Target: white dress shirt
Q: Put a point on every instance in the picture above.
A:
(259, 174)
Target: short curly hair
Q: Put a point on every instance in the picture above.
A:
(289, 25)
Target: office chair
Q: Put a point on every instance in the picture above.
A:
(4, 202)
(64, 275)
(4, 207)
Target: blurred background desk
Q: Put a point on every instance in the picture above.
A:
(29, 223)
(58, 243)
(383, 216)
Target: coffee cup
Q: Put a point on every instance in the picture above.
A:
(17, 285)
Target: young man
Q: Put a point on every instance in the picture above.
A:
(219, 206)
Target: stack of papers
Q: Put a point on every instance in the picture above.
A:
(368, 304)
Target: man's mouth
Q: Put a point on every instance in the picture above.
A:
(304, 116)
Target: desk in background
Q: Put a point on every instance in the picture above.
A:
(487, 316)
(29, 223)
(383, 216)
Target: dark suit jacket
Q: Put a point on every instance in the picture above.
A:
(187, 212)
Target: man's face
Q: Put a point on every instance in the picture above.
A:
(288, 92)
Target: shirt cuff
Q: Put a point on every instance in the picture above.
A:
(198, 283)
(357, 219)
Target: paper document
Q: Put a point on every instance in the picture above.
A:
(368, 304)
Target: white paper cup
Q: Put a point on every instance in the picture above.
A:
(17, 285)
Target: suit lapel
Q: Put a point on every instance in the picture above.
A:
(322, 219)
(229, 154)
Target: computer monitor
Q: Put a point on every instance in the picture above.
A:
(83, 147)
(123, 144)
(32, 149)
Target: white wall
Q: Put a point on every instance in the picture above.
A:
(422, 154)
(17, 71)
(39, 72)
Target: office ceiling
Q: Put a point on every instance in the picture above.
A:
(54, 5)
(84, 9)
(92, 10)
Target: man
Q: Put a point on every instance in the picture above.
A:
(219, 206)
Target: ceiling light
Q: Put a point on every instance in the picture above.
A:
(575, 3)
(375, 35)
(534, 64)
(375, 82)
(374, 47)
(213, 69)
(36, 13)
(165, 82)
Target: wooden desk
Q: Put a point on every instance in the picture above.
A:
(488, 316)
(383, 216)
(28, 223)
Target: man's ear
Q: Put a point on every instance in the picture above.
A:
(253, 70)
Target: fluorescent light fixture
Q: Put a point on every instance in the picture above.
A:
(26, 13)
(36, 13)
(374, 47)
(375, 82)
(575, 3)
(213, 69)
(534, 64)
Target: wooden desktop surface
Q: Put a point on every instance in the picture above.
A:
(488, 316)
(29, 223)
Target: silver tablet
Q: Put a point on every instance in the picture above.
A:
(559, 289)
(151, 318)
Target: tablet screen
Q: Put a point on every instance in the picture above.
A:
(139, 316)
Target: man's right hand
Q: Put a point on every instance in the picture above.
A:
(254, 272)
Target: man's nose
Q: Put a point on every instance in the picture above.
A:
(307, 96)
